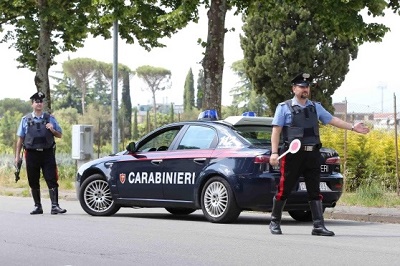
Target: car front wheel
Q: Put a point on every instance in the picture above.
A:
(218, 202)
(180, 211)
(95, 197)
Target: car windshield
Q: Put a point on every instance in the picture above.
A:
(256, 135)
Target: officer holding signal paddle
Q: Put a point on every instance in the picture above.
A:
(298, 118)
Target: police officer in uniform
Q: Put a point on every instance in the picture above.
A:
(298, 118)
(36, 133)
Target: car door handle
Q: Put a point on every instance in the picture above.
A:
(156, 162)
(199, 160)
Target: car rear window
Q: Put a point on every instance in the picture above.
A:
(256, 135)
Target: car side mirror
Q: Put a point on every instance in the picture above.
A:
(131, 146)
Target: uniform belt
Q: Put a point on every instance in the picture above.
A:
(309, 147)
(38, 149)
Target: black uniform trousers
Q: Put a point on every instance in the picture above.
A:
(45, 160)
(303, 163)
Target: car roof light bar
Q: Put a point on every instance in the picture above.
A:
(250, 113)
(208, 115)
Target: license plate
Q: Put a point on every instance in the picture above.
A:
(324, 168)
(322, 186)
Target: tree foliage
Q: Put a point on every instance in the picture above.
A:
(200, 89)
(284, 38)
(126, 105)
(65, 94)
(244, 98)
(81, 71)
(42, 29)
(188, 92)
(15, 105)
(9, 123)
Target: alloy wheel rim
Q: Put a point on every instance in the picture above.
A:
(216, 199)
(98, 196)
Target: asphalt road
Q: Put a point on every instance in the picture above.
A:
(154, 237)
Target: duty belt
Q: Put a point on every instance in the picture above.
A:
(38, 149)
(309, 147)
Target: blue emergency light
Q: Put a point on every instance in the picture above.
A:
(208, 115)
(250, 113)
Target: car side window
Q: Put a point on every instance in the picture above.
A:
(161, 142)
(197, 137)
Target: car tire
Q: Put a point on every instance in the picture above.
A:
(218, 202)
(301, 215)
(180, 211)
(95, 197)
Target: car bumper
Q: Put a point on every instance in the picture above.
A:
(257, 193)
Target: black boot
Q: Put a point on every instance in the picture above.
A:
(318, 220)
(55, 208)
(36, 198)
(276, 216)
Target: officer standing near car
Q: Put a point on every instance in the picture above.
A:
(298, 118)
(36, 134)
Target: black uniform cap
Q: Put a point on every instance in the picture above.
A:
(37, 96)
(302, 79)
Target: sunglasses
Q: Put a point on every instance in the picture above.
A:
(38, 101)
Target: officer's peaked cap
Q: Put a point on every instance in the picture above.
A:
(37, 96)
(302, 79)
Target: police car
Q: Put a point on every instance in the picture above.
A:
(219, 166)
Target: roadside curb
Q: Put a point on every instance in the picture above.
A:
(364, 214)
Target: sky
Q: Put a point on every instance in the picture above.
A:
(370, 85)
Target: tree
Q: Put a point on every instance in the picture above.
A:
(8, 127)
(66, 94)
(283, 38)
(42, 29)
(188, 92)
(126, 104)
(171, 113)
(135, 131)
(101, 90)
(244, 96)
(340, 18)
(15, 105)
(81, 71)
(200, 89)
(156, 79)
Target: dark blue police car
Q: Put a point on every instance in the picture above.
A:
(221, 167)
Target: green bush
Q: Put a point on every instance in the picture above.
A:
(371, 156)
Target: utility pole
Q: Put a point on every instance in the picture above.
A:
(382, 87)
(114, 101)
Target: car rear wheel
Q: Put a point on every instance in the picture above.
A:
(95, 197)
(301, 216)
(180, 211)
(218, 202)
